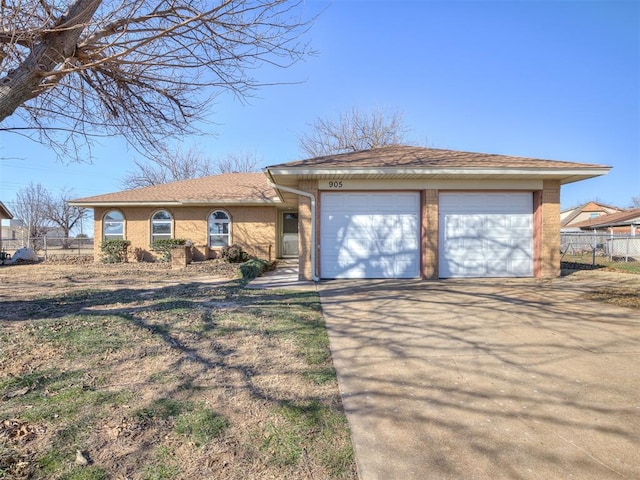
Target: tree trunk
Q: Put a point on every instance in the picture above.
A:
(55, 46)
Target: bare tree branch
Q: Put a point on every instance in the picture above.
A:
(29, 207)
(170, 166)
(239, 162)
(144, 69)
(58, 211)
(179, 164)
(353, 131)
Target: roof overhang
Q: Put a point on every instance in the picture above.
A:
(4, 212)
(565, 175)
(178, 203)
(621, 223)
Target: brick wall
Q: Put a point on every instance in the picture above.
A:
(304, 233)
(252, 227)
(430, 235)
(550, 230)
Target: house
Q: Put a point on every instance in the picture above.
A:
(13, 231)
(5, 214)
(624, 222)
(212, 212)
(583, 212)
(389, 212)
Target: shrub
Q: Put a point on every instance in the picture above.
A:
(114, 251)
(164, 246)
(234, 254)
(254, 268)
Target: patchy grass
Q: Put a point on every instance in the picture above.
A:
(621, 296)
(585, 262)
(164, 375)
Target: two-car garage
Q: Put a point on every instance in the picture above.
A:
(379, 234)
(401, 211)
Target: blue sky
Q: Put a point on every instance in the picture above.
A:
(545, 79)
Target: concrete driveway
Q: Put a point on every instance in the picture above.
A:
(484, 379)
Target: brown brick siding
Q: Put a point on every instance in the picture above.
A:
(252, 227)
(304, 233)
(430, 235)
(550, 226)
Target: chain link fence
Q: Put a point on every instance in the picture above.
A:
(49, 247)
(600, 245)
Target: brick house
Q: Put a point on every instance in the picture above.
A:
(389, 212)
(584, 212)
(5, 214)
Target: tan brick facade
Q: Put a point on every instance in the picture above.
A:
(252, 227)
(546, 231)
(550, 230)
(305, 243)
(430, 235)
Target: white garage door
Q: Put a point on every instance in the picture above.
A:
(369, 235)
(486, 235)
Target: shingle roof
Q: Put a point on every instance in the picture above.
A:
(241, 188)
(585, 207)
(4, 212)
(620, 218)
(401, 156)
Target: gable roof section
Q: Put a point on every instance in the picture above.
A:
(627, 217)
(402, 161)
(586, 207)
(227, 188)
(4, 212)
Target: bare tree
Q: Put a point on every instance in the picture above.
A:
(353, 131)
(169, 166)
(29, 207)
(635, 202)
(178, 164)
(144, 69)
(238, 162)
(58, 211)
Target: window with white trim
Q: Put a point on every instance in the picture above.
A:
(161, 226)
(113, 226)
(219, 223)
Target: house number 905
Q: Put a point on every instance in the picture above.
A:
(336, 184)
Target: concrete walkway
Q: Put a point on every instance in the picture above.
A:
(481, 379)
(285, 276)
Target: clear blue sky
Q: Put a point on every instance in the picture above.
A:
(544, 79)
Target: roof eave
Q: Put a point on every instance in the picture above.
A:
(566, 175)
(191, 203)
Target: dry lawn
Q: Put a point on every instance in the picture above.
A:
(616, 285)
(142, 372)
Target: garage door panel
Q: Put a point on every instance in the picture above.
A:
(486, 234)
(369, 235)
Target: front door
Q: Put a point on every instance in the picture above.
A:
(289, 234)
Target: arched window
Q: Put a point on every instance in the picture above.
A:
(161, 225)
(113, 225)
(219, 224)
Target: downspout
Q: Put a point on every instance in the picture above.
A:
(310, 196)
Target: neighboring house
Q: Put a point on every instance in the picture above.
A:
(625, 222)
(389, 212)
(5, 214)
(13, 230)
(586, 211)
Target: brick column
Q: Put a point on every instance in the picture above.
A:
(305, 243)
(550, 234)
(430, 235)
(98, 213)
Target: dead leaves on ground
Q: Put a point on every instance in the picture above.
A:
(623, 297)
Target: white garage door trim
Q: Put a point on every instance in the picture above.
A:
(485, 234)
(370, 234)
